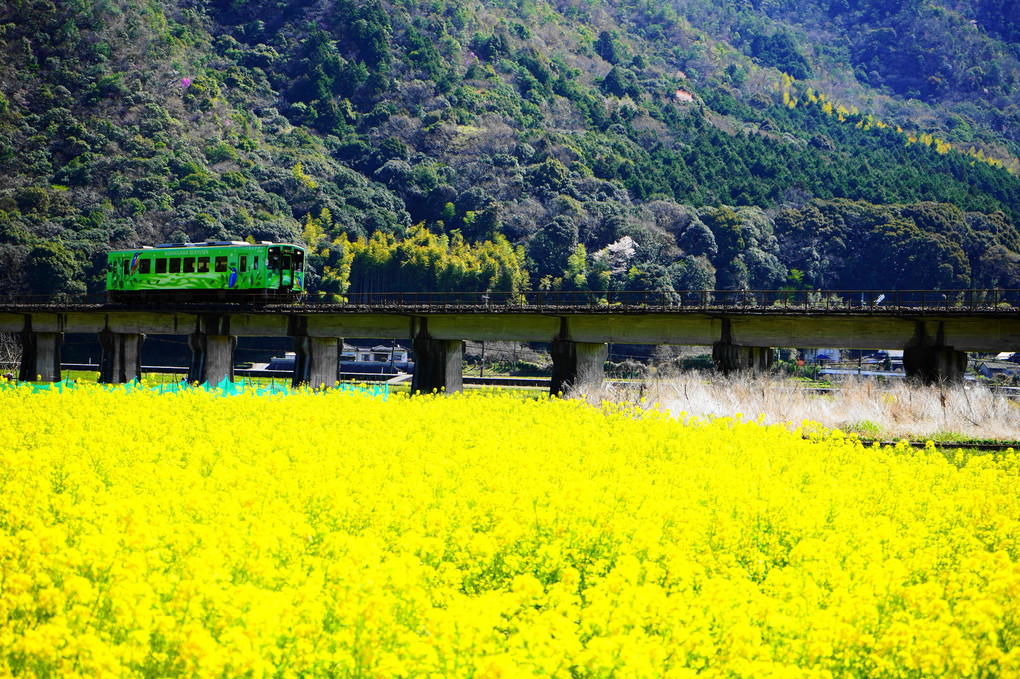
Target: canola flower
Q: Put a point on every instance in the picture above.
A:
(487, 535)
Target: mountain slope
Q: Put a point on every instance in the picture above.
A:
(573, 145)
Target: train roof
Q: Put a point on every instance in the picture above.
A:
(206, 244)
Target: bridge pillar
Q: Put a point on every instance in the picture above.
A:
(212, 350)
(577, 364)
(121, 358)
(730, 358)
(438, 365)
(934, 364)
(40, 356)
(316, 361)
(212, 358)
(928, 359)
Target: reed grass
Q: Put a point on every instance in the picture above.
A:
(870, 408)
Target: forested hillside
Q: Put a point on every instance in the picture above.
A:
(500, 145)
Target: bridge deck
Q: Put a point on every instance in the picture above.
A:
(934, 327)
(758, 302)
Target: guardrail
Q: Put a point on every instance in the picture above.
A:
(750, 301)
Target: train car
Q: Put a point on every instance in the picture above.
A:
(214, 271)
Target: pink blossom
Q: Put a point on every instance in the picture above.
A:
(185, 83)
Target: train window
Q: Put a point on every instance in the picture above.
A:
(286, 261)
(255, 263)
(127, 267)
(221, 265)
(203, 265)
(144, 265)
(299, 260)
(189, 265)
(160, 266)
(273, 260)
(175, 265)
(243, 263)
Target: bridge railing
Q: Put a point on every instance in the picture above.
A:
(874, 301)
(10, 299)
(749, 301)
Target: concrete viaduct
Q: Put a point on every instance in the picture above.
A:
(741, 327)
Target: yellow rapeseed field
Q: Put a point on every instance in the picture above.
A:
(329, 534)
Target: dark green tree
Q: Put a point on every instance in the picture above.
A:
(608, 47)
(53, 270)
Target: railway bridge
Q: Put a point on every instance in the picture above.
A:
(935, 329)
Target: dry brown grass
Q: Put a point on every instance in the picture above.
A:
(10, 353)
(885, 410)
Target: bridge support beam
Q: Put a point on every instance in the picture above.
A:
(316, 361)
(729, 358)
(40, 356)
(212, 358)
(577, 365)
(122, 357)
(438, 365)
(927, 358)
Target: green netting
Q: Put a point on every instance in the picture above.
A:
(224, 388)
(49, 386)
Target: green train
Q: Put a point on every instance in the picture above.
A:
(214, 271)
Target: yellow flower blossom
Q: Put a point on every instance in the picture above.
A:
(488, 535)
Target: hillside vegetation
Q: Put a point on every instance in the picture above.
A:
(511, 145)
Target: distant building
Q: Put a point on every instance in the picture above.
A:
(377, 354)
(822, 355)
(993, 369)
(888, 358)
(377, 359)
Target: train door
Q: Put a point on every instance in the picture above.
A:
(298, 277)
(286, 269)
(274, 277)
